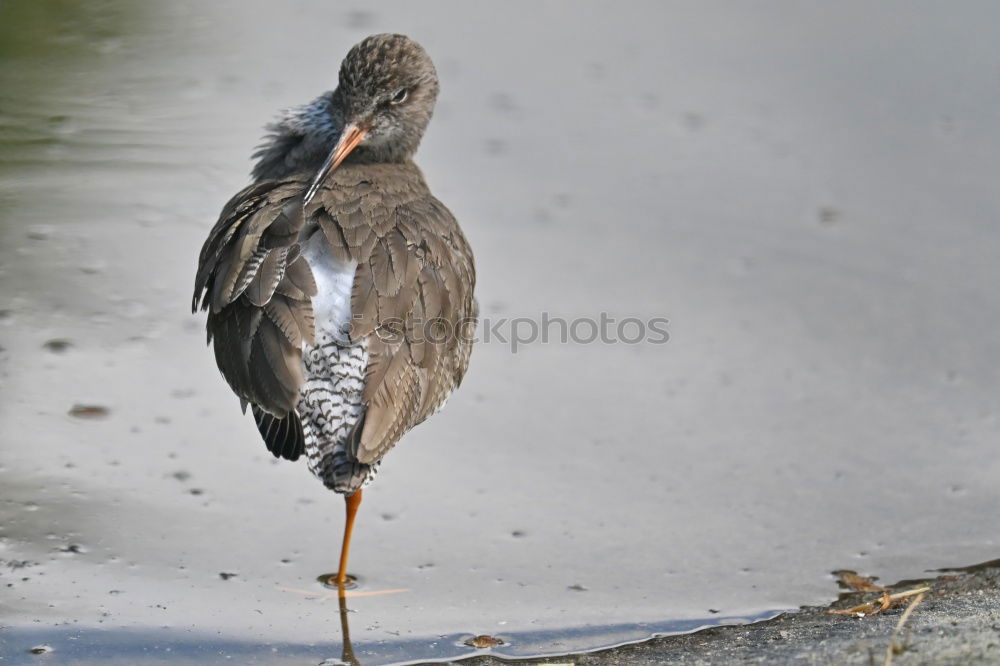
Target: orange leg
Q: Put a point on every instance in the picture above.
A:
(353, 502)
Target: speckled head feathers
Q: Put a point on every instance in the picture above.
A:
(388, 82)
(384, 63)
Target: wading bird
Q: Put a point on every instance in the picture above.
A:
(339, 291)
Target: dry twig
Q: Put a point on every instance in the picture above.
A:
(885, 602)
(894, 648)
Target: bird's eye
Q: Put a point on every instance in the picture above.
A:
(400, 96)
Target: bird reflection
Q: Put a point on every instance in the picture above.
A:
(341, 591)
(347, 654)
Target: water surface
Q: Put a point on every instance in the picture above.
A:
(806, 191)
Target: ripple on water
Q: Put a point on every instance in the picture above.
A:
(329, 581)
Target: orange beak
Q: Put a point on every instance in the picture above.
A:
(349, 140)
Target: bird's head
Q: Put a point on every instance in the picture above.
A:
(385, 98)
(388, 86)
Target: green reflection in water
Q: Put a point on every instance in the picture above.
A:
(53, 54)
(50, 55)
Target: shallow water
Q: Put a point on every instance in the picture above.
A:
(806, 191)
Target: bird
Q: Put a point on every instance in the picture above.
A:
(338, 289)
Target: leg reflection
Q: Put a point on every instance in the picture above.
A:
(347, 655)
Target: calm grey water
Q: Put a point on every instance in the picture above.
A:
(806, 190)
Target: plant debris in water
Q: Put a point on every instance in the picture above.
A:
(852, 581)
(89, 412)
(483, 641)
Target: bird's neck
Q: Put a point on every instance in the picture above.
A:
(303, 137)
(298, 141)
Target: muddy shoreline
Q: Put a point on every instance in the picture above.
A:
(958, 622)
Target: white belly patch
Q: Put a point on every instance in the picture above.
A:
(334, 284)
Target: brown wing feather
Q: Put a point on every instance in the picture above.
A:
(256, 287)
(414, 266)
